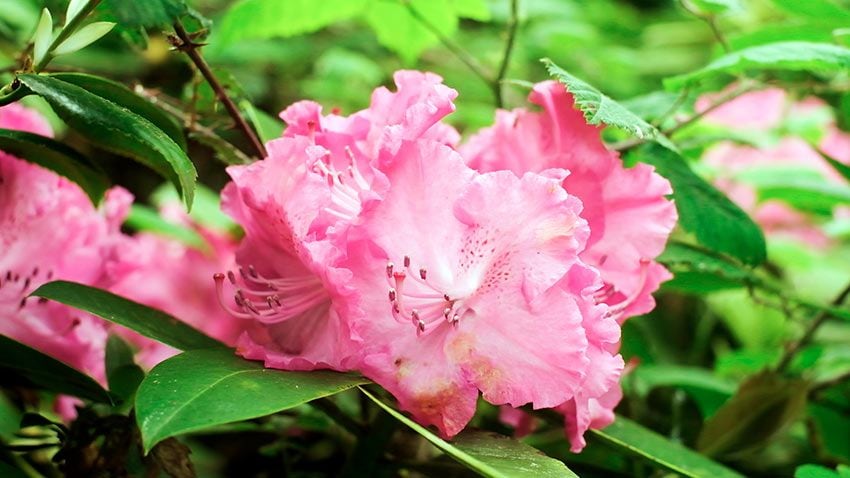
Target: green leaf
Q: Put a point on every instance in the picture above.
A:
(204, 388)
(818, 10)
(402, 32)
(633, 438)
(10, 471)
(122, 373)
(681, 257)
(84, 37)
(151, 323)
(488, 454)
(600, 109)
(842, 168)
(43, 36)
(57, 157)
(248, 19)
(717, 6)
(21, 362)
(787, 55)
(206, 211)
(814, 471)
(763, 406)
(116, 129)
(145, 219)
(74, 8)
(716, 221)
(147, 13)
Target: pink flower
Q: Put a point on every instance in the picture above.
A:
(49, 230)
(461, 281)
(296, 207)
(759, 110)
(174, 277)
(627, 210)
(629, 218)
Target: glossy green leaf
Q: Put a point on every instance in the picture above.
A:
(116, 129)
(635, 439)
(84, 37)
(204, 388)
(57, 157)
(488, 454)
(22, 363)
(122, 373)
(146, 13)
(788, 55)
(716, 221)
(600, 109)
(262, 18)
(762, 407)
(151, 323)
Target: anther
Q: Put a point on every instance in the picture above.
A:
(389, 270)
(253, 272)
(423, 273)
(231, 277)
(421, 326)
(406, 261)
(392, 295)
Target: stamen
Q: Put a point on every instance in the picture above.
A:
(616, 311)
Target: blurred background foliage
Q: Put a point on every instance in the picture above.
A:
(706, 336)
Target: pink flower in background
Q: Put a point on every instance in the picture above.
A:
(49, 230)
(174, 277)
(627, 210)
(461, 281)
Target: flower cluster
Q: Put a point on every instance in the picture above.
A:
(502, 267)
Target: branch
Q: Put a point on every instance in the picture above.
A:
(513, 23)
(191, 49)
(819, 319)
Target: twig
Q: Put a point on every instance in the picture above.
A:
(513, 23)
(722, 100)
(453, 47)
(191, 49)
(190, 123)
(711, 21)
(818, 320)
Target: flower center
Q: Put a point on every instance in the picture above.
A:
(270, 300)
(345, 187)
(415, 298)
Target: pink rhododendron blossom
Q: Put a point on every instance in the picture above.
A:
(758, 110)
(49, 230)
(169, 275)
(461, 282)
(629, 216)
(296, 207)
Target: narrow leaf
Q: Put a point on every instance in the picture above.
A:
(488, 454)
(43, 36)
(58, 158)
(116, 129)
(21, 363)
(74, 8)
(84, 37)
(633, 438)
(126, 98)
(786, 55)
(151, 323)
(200, 389)
(122, 373)
(600, 109)
(716, 221)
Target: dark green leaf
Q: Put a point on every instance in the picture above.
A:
(815, 471)
(122, 373)
(763, 406)
(488, 454)
(842, 168)
(681, 257)
(204, 388)
(124, 97)
(716, 221)
(58, 158)
(600, 109)
(637, 440)
(22, 363)
(788, 55)
(151, 323)
(118, 354)
(9, 471)
(116, 129)
(146, 13)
